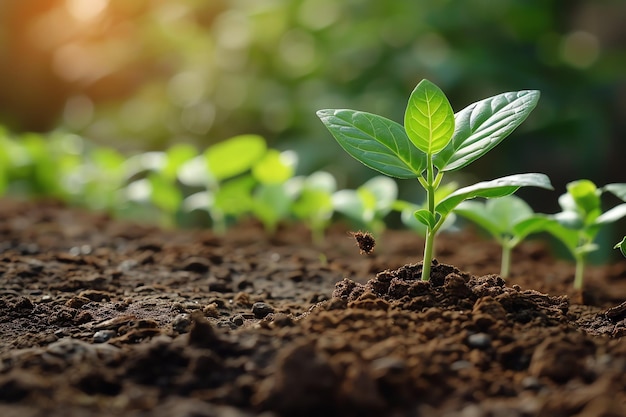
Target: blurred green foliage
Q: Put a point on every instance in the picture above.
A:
(147, 74)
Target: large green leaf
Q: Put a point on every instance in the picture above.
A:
(484, 124)
(491, 189)
(429, 119)
(375, 141)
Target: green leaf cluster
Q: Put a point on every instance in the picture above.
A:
(509, 220)
(434, 141)
(582, 217)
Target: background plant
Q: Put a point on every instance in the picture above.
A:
(433, 141)
(368, 205)
(581, 218)
(509, 220)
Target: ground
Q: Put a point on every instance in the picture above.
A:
(100, 317)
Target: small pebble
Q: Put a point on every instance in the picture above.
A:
(479, 340)
(238, 320)
(103, 335)
(261, 310)
(458, 365)
(182, 323)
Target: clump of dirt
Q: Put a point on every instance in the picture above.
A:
(100, 317)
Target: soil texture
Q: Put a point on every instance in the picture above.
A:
(100, 317)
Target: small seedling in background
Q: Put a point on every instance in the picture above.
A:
(365, 241)
(273, 197)
(509, 220)
(313, 203)
(368, 205)
(581, 218)
(434, 141)
(221, 164)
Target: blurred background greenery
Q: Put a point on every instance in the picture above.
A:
(145, 74)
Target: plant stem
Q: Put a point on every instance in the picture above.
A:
(580, 267)
(430, 231)
(505, 265)
(428, 254)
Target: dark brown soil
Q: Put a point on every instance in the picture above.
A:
(102, 318)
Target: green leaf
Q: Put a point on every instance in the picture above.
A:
(383, 190)
(483, 125)
(425, 217)
(379, 143)
(235, 196)
(529, 226)
(164, 194)
(234, 156)
(477, 213)
(349, 203)
(569, 237)
(611, 215)
(586, 196)
(508, 211)
(274, 168)
(429, 119)
(619, 190)
(622, 246)
(176, 156)
(490, 189)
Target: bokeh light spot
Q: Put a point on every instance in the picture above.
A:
(85, 10)
(186, 88)
(232, 30)
(580, 49)
(297, 52)
(318, 14)
(198, 119)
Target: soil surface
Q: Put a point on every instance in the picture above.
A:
(100, 317)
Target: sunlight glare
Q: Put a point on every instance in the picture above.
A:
(85, 10)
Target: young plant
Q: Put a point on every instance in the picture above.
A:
(581, 218)
(312, 201)
(368, 205)
(224, 171)
(272, 198)
(434, 141)
(509, 220)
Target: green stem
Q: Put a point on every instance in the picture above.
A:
(580, 268)
(505, 265)
(430, 232)
(428, 254)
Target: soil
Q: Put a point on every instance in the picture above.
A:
(100, 317)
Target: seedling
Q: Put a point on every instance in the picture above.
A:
(215, 170)
(368, 205)
(313, 201)
(434, 141)
(272, 198)
(581, 218)
(509, 220)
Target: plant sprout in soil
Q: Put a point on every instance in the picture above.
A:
(434, 141)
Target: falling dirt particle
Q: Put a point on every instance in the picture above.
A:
(365, 242)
